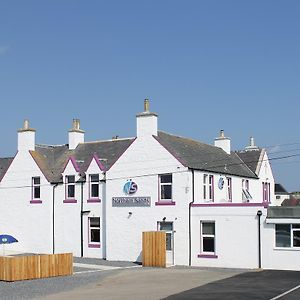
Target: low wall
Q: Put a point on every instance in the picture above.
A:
(13, 268)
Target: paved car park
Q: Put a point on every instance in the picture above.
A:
(99, 279)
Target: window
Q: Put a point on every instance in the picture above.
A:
(266, 192)
(94, 186)
(36, 188)
(70, 187)
(207, 232)
(168, 227)
(165, 187)
(287, 235)
(246, 196)
(94, 232)
(208, 187)
(229, 188)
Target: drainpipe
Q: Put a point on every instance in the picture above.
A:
(190, 218)
(53, 217)
(259, 213)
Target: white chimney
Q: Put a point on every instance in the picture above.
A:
(223, 142)
(76, 135)
(146, 122)
(252, 145)
(26, 138)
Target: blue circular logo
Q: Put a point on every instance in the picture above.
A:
(130, 187)
(221, 183)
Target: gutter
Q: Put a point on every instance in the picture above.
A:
(190, 217)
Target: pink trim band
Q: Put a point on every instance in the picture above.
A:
(94, 200)
(165, 203)
(229, 204)
(70, 201)
(36, 201)
(94, 246)
(207, 256)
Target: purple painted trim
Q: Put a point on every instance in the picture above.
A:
(121, 154)
(170, 151)
(207, 256)
(94, 245)
(70, 201)
(94, 200)
(36, 201)
(75, 165)
(165, 203)
(228, 204)
(97, 159)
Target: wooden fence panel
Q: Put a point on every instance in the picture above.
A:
(154, 249)
(13, 268)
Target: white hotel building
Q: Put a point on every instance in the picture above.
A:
(96, 198)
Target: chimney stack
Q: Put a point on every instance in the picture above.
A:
(146, 121)
(223, 142)
(76, 135)
(26, 137)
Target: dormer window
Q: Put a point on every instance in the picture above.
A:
(70, 187)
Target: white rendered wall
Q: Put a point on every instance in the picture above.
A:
(277, 258)
(146, 125)
(29, 223)
(26, 140)
(142, 162)
(236, 236)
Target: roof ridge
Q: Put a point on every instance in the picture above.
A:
(49, 146)
(105, 141)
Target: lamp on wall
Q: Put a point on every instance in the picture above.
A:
(164, 219)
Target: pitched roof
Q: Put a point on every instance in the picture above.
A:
(52, 159)
(251, 158)
(4, 165)
(279, 189)
(197, 155)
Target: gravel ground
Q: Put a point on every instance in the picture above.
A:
(96, 261)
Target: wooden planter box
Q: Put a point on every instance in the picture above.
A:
(13, 268)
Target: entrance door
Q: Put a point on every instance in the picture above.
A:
(168, 228)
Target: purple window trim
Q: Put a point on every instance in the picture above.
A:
(74, 163)
(98, 162)
(207, 256)
(94, 245)
(36, 201)
(94, 200)
(70, 201)
(165, 203)
(229, 204)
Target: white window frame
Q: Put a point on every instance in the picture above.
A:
(266, 192)
(67, 183)
(90, 231)
(165, 184)
(34, 186)
(292, 230)
(91, 183)
(246, 196)
(229, 189)
(208, 188)
(202, 236)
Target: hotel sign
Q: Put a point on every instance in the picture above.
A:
(131, 201)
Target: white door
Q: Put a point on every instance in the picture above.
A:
(168, 228)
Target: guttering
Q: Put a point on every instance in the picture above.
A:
(53, 217)
(190, 225)
(259, 214)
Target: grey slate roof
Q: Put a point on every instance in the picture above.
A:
(279, 212)
(4, 165)
(197, 155)
(251, 158)
(53, 159)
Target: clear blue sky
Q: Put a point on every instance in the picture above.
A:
(205, 65)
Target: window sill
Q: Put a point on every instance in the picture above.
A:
(36, 201)
(70, 201)
(207, 256)
(94, 246)
(93, 200)
(287, 248)
(165, 203)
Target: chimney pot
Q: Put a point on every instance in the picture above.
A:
(146, 105)
(222, 133)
